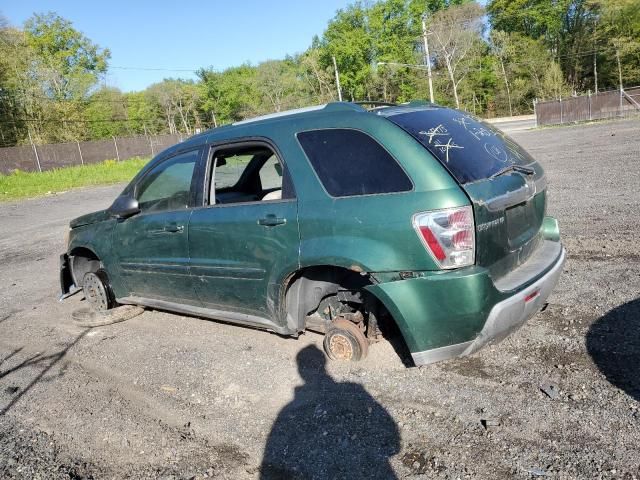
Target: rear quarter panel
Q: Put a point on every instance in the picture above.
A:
(370, 232)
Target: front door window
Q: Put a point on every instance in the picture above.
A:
(168, 186)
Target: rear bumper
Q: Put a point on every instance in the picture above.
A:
(453, 314)
(504, 318)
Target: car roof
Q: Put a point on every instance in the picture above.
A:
(337, 108)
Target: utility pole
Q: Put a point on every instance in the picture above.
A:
(595, 70)
(35, 150)
(335, 69)
(619, 68)
(427, 57)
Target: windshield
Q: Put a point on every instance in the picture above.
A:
(469, 148)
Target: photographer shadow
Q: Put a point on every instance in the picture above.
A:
(613, 342)
(329, 430)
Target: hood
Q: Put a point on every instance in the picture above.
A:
(90, 218)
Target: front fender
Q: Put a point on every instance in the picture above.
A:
(97, 238)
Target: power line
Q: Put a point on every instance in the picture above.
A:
(156, 69)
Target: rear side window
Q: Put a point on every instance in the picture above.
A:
(470, 149)
(349, 162)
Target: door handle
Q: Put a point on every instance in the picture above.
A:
(173, 228)
(167, 229)
(271, 221)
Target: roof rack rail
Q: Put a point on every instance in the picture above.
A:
(377, 104)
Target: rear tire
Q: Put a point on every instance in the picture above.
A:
(345, 341)
(97, 291)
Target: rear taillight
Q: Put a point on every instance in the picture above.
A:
(448, 235)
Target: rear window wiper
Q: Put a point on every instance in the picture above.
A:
(513, 168)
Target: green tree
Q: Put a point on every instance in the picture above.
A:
(520, 63)
(456, 32)
(565, 26)
(230, 95)
(67, 62)
(14, 60)
(618, 38)
(144, 115)
(180, 103)
(106, 114)
(348, 39)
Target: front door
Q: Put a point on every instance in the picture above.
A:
(246, 236)
(152, 247)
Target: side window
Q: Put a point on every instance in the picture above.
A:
(247, 173)
(229, 170)
(349, 162)
(168, 185)
(271, 174)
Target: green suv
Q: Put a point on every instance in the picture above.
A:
(336, 219)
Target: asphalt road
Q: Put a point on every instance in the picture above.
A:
(167, 396)
(514, 124)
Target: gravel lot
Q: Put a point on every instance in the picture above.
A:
(166, 396)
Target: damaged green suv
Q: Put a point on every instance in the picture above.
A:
(336, 219)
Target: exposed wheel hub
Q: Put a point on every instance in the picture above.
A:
(345, 341)
(340, 347)
(95, 291)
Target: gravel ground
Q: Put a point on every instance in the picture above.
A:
(166, 396)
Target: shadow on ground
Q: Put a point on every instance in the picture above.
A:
(329, 430)
(39, 361)
(613, 341)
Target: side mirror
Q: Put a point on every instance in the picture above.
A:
(125, 206)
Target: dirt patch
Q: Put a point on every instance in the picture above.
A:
(472, 366)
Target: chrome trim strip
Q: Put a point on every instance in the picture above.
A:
(522, 194)
(502, 202)
(286, 113)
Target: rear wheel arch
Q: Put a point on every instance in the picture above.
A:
(308, 286)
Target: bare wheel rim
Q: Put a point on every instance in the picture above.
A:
(340, 346)
(95, 292)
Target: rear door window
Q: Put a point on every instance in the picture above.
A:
(470, 149)
(349, 162)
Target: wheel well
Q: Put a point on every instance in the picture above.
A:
(82, 261)
(310, 286)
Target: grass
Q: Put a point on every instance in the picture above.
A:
(33, 184)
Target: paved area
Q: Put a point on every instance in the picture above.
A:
(514, 124)
(167, 396)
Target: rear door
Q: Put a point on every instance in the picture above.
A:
(152, 247)
(246, 235)
(506, 185)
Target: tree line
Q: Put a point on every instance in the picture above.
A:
(491, 61)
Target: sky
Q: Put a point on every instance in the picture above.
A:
(186, 34)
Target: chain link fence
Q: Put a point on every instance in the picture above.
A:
(34, 158)
(612, 104)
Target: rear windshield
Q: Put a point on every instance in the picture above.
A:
(470, 149)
